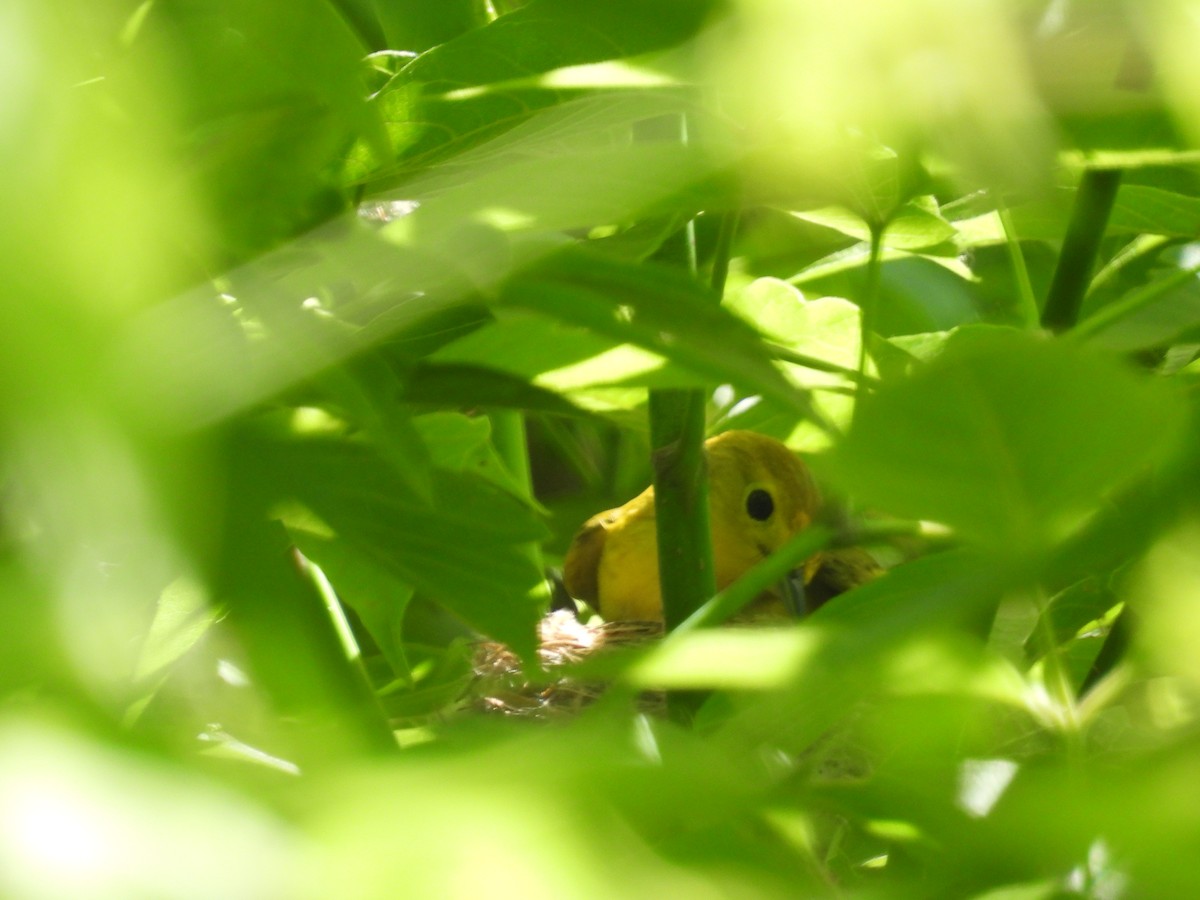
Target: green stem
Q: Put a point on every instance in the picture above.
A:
(685, 559)
(1089, 217)
(1027, 301)
(1111, 651)
(868, 303)
(677, 424)
(508, 437)
(1057, 681)
(786, 354)
(1137, 249)
(721, 254)
(770, 571)
(1132, 302)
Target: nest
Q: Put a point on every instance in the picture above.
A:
(502, 686)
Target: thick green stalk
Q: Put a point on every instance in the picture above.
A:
(677, 425)
(1081, 244)
(685, 560)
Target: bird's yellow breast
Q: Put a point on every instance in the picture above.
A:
(760, 494)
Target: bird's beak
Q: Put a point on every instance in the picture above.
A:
(794, 593)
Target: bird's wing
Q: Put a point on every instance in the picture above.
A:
(581, 567)
(840, 570)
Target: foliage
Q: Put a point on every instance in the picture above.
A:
(286, 281)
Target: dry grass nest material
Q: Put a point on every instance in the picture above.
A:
(502, 686)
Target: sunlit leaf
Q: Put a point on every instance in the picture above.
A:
(1008, 438)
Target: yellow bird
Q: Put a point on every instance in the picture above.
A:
(760, 495)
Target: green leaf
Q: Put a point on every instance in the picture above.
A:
(657, 308)
(1138, 209)
(1162, 312)
(827, 329)
(416, 25)
(439, 678)
(290, 637)
(375, 593)
(917, 629)
(1067, 612)
(1006, 437)
(284, 96)
(574, 188)
(476, 386)
(913, 227)
(181, 618)
(463, 550)
(464, 444)
(476, 87)
(551, 34)
(368, 390)
(593, 372)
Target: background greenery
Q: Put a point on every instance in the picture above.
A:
(298, 274)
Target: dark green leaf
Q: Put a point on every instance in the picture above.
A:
(463, 549)
(475, 386)
(375, 593)
(551, 34)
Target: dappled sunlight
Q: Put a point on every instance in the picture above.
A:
(331, 328)
(982, 782)
(622, 364)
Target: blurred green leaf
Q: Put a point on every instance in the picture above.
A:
(182, 616)
(463, 549)
(912, 227)
(259, 88)
(464, 444)
(292, 643)
(917, 630)
(1066, 613)
(551, 34)
(81, 818)
(1164, 311)
(436, 681)
(571, 188)
(376, 594)
(1008, 438)
(433, 383)
(417, 26)
(1138, 209)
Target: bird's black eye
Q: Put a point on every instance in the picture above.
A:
(759, 505)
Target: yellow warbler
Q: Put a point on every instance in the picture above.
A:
(760, 494)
